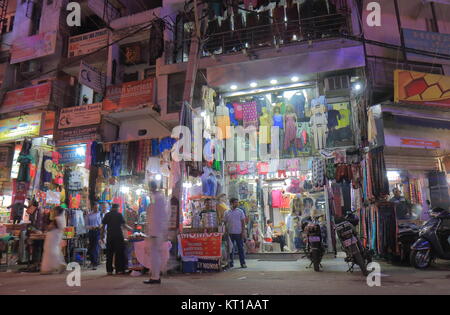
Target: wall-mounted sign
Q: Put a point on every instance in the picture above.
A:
(420, 143)
(27, 98)
(80, 116)
(421, 88)
(130, 94)
(77, 134)
(87, 43)
(92, 77)
(16, 128)
(72, 154)
(32, 47)
(436, 43)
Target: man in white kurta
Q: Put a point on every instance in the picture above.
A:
(157, 220)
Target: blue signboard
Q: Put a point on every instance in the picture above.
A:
(72, 154)
(427, 41)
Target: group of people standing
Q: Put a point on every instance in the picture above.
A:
(112, 223)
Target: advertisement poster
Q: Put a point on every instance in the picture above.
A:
(12, 129)
(87, 43)
(92, 77)
(72, 154)
(32, 47)
(27, 98)
(77, 116)
(77, 134)
(201, 245)
(130, 94)
(421, 88)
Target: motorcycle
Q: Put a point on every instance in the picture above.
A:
(356, 253)
(434, 240)
(314, 242)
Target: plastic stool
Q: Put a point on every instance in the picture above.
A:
(83, 251)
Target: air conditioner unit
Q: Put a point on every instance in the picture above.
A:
(31, 67)
(337, 83)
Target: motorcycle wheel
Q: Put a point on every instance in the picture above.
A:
(315, 258)
(359, 260)
(420, 259)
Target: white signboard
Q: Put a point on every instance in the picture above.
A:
(91, 77)
(80, 116)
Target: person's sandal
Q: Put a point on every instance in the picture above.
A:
(151, 281)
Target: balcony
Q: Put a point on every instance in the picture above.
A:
(272, 35)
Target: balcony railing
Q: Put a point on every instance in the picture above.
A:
(270, 35)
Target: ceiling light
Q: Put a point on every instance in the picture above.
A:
(203, 114)
(358, 86)
(253, 84)
(273, 81)
(233, 87)
(158, 177)
(294, 79)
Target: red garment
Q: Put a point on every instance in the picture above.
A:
(286, 202)
(282, 172)
(56, 156)
(238, 111)
(263, 168)
(277, 199)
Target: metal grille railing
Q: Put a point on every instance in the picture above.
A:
(269, 35)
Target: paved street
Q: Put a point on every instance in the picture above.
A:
(261, 277)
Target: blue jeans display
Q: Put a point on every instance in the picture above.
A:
(238, 242)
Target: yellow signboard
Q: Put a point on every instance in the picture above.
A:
(422, 88)
(12, 129)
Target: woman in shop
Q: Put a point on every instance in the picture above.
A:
(53, 259)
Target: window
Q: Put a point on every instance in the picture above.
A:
(175, 92)
(36, 17)
(11, 23)
(8, 24)
(130, 77)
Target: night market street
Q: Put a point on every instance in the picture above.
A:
(259, 278)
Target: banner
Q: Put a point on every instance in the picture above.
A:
(77, 116)
(32, 47)
(92, 77)
(77, 134)
(16, 128)
(72, 154)
(87, 43)
(130, 94)
(420, 143)
(27, 98)
(421, 88)
(201, 245)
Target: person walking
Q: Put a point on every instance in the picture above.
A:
(94, 223)
(53, 259)
(157, 220)
(115, 244)
(235, 225)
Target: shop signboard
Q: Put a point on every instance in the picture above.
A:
(421, 88)
(77, 134)
(201, 245)
(436, 43)
(128, 95)
(77, 116)
(208, 265)
(420, 143)
(91, 77)
(87, 43)
(16, 128)
(27, 98)
(32, 47)
(72, 154)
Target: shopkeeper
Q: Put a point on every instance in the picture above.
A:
(402, 208)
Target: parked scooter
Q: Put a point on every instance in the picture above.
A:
(434, 240)
(314, 242)
(354, 250)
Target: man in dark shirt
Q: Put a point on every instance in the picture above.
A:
(115, 245)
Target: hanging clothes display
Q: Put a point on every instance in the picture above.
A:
(250, 114)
